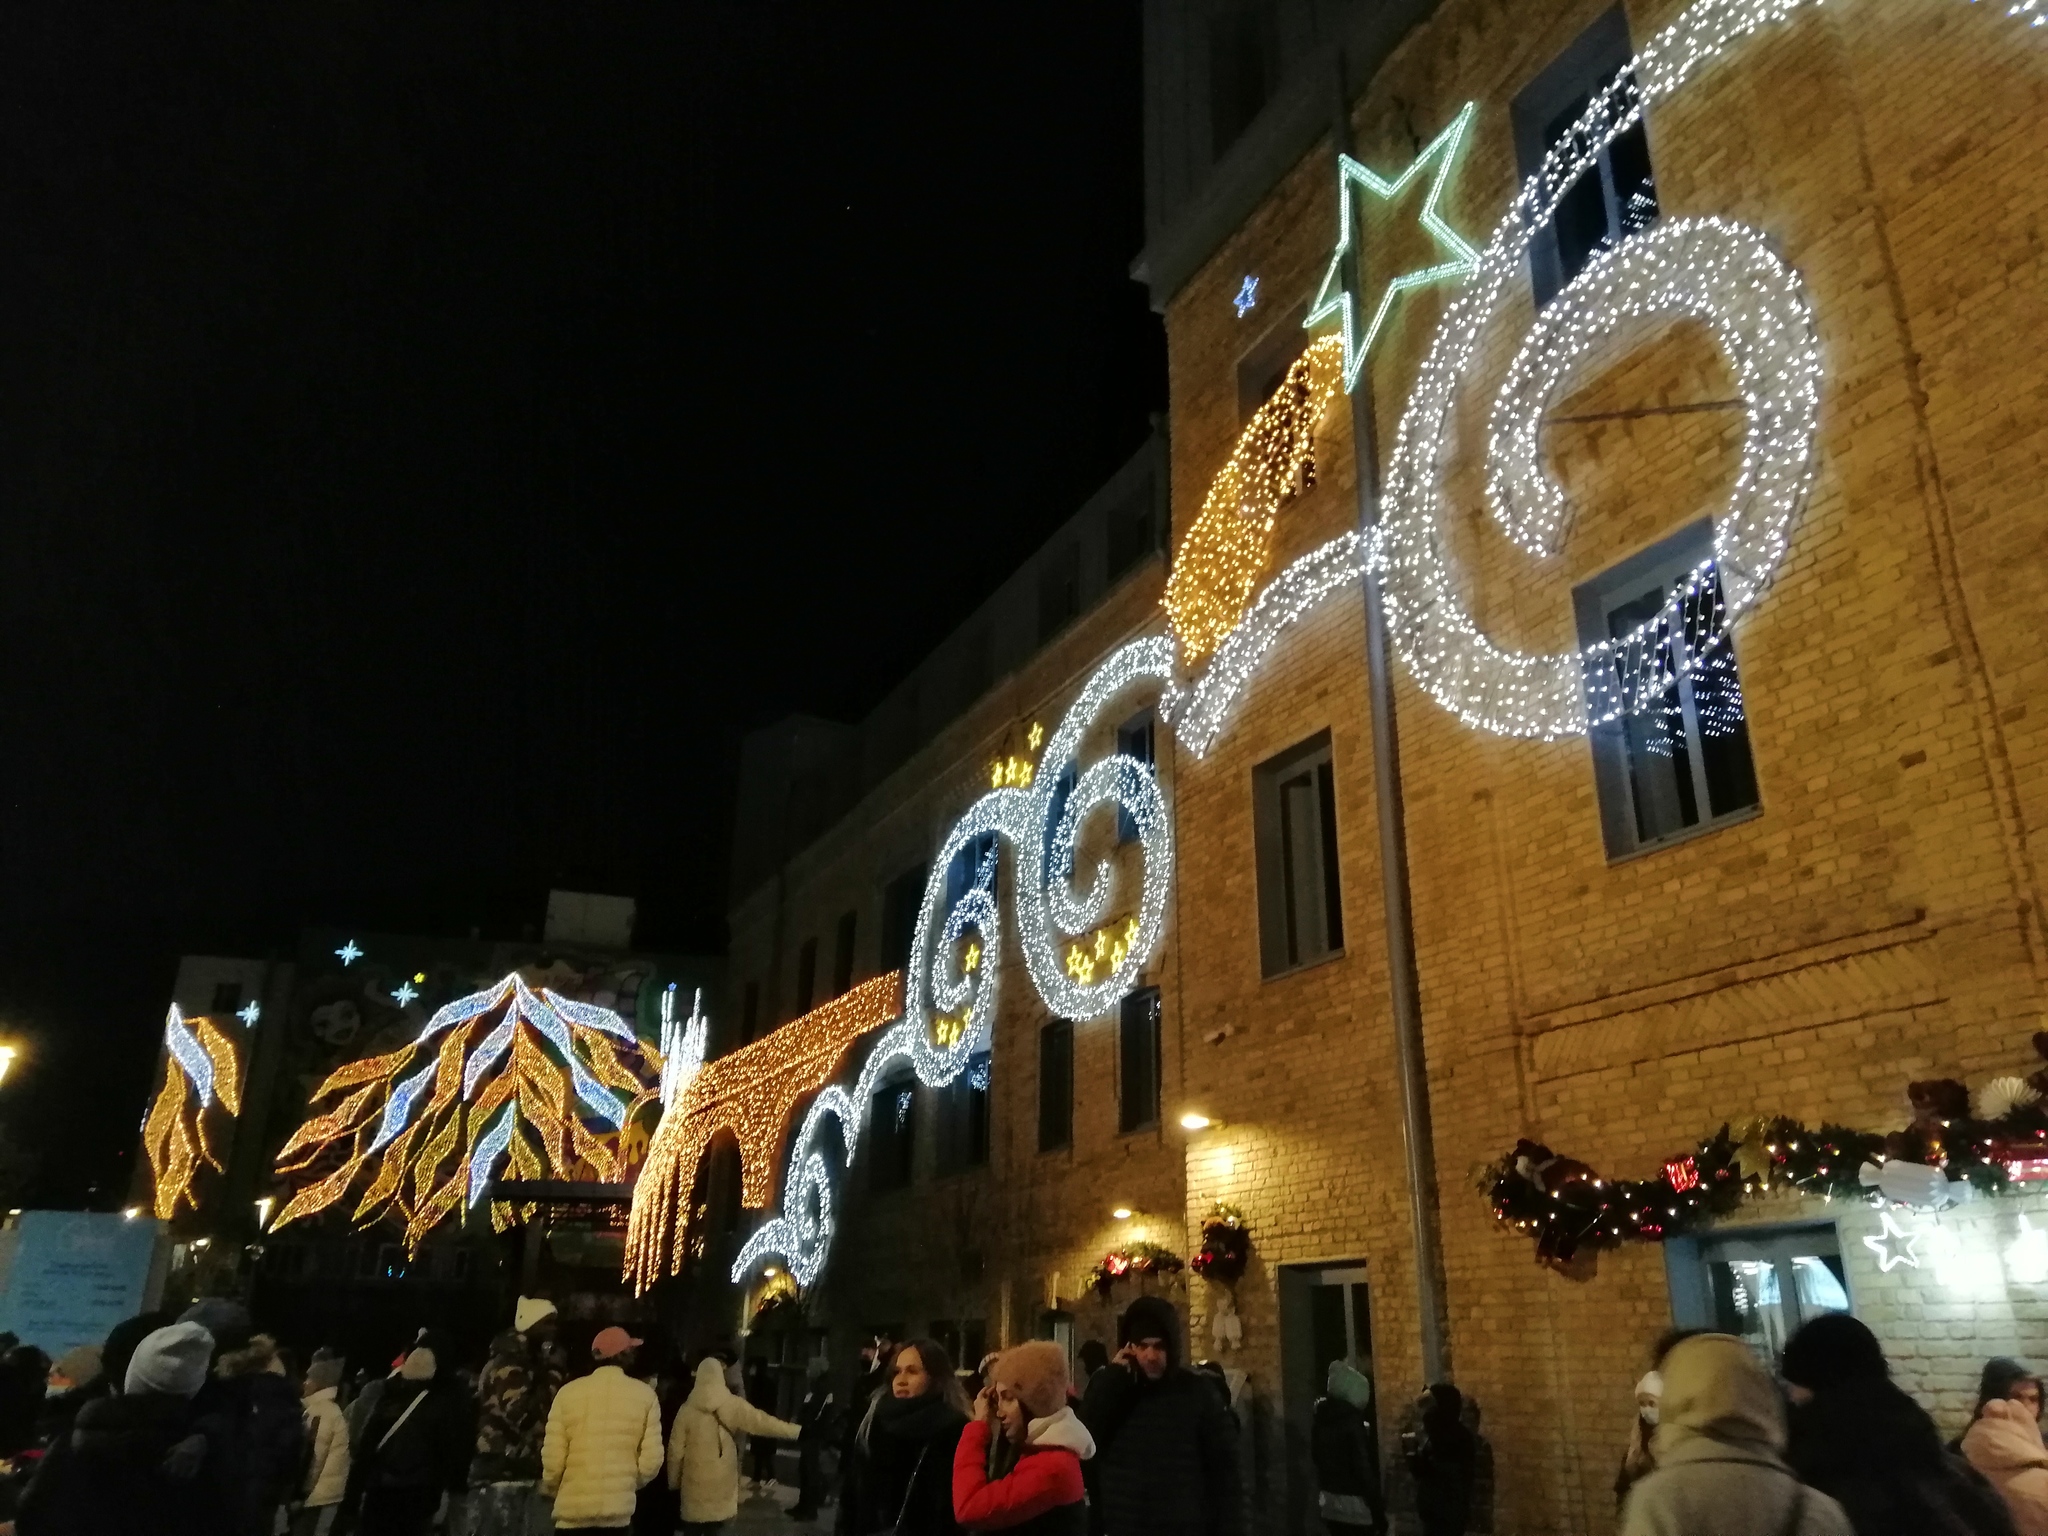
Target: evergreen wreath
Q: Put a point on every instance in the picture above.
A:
(1133, 1259)
(1226, 1245)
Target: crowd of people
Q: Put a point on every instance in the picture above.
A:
(196, 1425)
(1835, 1448)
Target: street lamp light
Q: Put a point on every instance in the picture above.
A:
(263, 1209)
(7, 1055)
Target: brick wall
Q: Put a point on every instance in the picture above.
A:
(1877, 922)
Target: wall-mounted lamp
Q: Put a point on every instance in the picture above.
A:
(1123, 1213)
(1195, 1120)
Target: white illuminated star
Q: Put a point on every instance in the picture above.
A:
(1892, 1232)
(403, 993)
(349, 953)
(1247, 296)
(251, 1013)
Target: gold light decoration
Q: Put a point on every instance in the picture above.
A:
(750, 1092)
(1009, 770)
(1102, 950)
(200, 1063)
(515, 1075)
(1225, 555)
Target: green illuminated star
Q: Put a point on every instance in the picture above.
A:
(1334, 298)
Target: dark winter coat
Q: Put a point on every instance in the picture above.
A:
(136, 1465)
(1165, 1454)
(1445, 1461)
(905, 1461)
(428, 1450)
(1875, 1451)
(265, 1449)
(1340, 1441)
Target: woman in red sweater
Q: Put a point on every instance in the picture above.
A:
(1018, 1465)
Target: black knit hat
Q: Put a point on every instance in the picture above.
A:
(1151, 1317)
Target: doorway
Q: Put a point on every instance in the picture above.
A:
(1759, 1285)
(1325, 1315)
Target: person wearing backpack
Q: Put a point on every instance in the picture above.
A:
(703, 1456)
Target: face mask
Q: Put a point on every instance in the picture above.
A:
(1648, 1411)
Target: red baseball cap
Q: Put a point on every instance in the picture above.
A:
(613, 1341)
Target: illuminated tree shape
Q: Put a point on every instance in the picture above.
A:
(752, 1093)
(199, 1063)
(431, 1122)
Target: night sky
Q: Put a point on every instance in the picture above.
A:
(430, 435)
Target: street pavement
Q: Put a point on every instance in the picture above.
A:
(766, 1516)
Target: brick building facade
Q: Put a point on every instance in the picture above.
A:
(1788, 892)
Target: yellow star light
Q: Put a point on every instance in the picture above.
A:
(1335, 298)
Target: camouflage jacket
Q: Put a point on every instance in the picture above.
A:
(513, 1398)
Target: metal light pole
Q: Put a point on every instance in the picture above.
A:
(1402, 985)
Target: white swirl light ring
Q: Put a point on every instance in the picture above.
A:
(1522, 694)
(1287, 597)
(1007, 813)
(1722, 274)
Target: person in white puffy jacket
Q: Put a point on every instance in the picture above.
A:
(703, 1457)
(603, 1441)
(327, 1429)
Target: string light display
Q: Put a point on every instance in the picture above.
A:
(250, 1013)
(1889, 1232)
(200, 1063)
(1247, 297)
(403, 993)
(1708, 269)
(349, 953)
(750, 1093)
(1227, 548)
(1287, 598)
(1334, 298)
(489, 1093)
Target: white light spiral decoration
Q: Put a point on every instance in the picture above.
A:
(1049, 908)
(1709, 269)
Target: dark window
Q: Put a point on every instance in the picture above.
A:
(900, 902)
(1680, 760)
(750, 1012)
(227, 996)
(722, 1186)
(1133, 739)
(390, 1261)
(1294, 818)
(1055, 1085)
(1062, 788)
(1137, 1046)
(973, 1341)
(842, 954)
(1130, 532)
(892, 1122)
(963, 1117)
(1059, 590)
(1244, 57)
(1262, 370)
(1615, 196)
(806, 974)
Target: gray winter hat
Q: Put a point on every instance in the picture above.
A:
(171, 1362)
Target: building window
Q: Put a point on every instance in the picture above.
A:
(963, 1117)
(1294, 822)
(1681, 763)
(1059, 591)
(1137, 1049)
(806, 975)
(892, 1122)
(1130, 532)
(1133, 739)
(965, 870)
(1617, 195)
(842, 954)
(1244, 59)
(1262, 370)
(1759, 1285)
(227, 996)
(901, 899)
(1062, 790)
(1055, 1085)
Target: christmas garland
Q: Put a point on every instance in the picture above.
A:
(1133, 1259)
(1949, 1153)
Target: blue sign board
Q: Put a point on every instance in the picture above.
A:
(75, 1274)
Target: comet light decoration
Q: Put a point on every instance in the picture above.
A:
(509, 1073)
(202, 1072)
(950, 985)
(750, 1094)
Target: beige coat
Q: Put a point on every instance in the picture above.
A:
(603, 1442)
(1719, 1444)
(2005, 1445)
(327, 1428)
(703, 1457)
